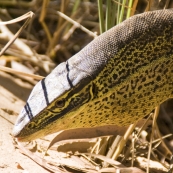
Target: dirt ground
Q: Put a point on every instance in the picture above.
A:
(13, 93)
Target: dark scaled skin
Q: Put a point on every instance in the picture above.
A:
(118, 78)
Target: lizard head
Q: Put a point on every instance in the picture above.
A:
(53, 103)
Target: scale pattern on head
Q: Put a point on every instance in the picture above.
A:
(129, 71)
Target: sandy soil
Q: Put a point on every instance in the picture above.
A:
(13, 94)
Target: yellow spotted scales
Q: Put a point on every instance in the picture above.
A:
(118, 78)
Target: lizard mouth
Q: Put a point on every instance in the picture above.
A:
(27, 138)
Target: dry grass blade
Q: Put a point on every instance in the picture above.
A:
(105, 159)
(77, 24)
(42, 17)
(113, 148)
(6, 69)
(121, 170)
(123, 140)
(152, 134)
(27, 16)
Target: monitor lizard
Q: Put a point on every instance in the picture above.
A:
(118, 78)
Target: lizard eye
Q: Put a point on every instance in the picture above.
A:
(60, 103)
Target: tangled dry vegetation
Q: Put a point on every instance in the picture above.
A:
(58, 30)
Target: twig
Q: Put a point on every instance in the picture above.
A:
(12, 37)
(6, 69)
(77, 24)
